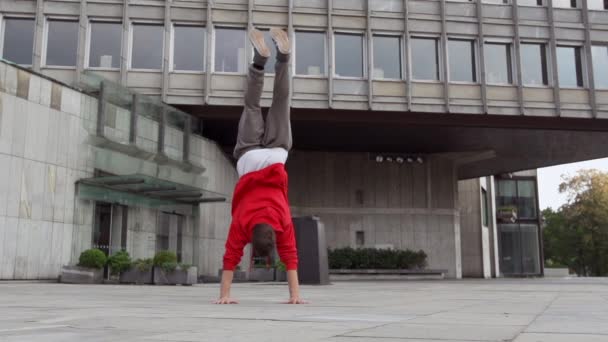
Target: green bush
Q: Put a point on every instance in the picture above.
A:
(92, 258)
(280, 266)
(168, 266)
(142, 265)
(119, 262)
(163, 257)
(366, 258)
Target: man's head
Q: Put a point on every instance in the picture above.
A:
(262, 240)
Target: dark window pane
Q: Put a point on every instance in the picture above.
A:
(189, 48)
(507, 194)
(18, 40)
(310, 53)
(349, 55)
(147, 46)
(462, 60)
(526, 193)
(569, 66)
(425, 59)
(62, 43)
(484, 208)
(230, 53)
(564, 3)
(534, 64)
(387, 57)
(106, 44)
(530, 2)
(600, 66)
(498, 63)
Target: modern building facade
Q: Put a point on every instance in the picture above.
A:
(393, 101)
(499, 226)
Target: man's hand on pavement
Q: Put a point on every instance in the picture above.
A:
(296, 301)
(226, 300)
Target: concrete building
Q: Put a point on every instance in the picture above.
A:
(394, 101)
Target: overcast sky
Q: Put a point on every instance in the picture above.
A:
(549, 179)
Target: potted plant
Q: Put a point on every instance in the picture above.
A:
(119, 263)
(89, 269)
(167, 271)
(139, 272)
(280, 271)
(507, 214)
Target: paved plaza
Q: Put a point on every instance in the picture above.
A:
(521, 310)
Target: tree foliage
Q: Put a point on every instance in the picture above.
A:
(576, 235)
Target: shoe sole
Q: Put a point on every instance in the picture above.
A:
(281, 39)
(257, 40)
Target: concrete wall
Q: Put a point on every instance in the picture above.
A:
(408, 205)
(42, 154)
(46, 145)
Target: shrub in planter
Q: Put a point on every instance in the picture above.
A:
(168, 272)
(89, 269)
(280, 271)
(372, 258)
(119, 262)
(139, 272)
(92, 258)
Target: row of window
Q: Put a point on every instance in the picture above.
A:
(591, 4)
(104, 50)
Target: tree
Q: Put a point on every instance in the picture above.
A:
(577, 234)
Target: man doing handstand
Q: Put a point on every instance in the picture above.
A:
(260, 207)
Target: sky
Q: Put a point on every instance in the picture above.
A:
(549, 179)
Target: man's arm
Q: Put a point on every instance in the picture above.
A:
(232, 256)
(225, 288)
(294, 288)
(286, 247)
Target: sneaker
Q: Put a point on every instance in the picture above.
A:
(257, 40)
(281, 40)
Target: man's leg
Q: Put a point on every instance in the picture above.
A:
(278, 124)
(251, 125)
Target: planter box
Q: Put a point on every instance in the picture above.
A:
(81, 275)
(556, 272)
(238, 275)
(280, 276)
(507, 215)
(261, 274)
(135, 276)
(176, 277)
(377, 274)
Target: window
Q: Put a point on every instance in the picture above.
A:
(349, 55)
(18, 40)
(105, 45)
(520, 194)
(189, 48)
(147, 48)
(495, 1)
(462, 60)
(569, 66)
(530, 2)
(310, 53)
(498, 63)
(534, 64)
(564, 3)
(360, 237)
(230, 55)
(62, 43)
(597, 4)
(425, 59)
(600, 66)
(387, 57)
(485, 215)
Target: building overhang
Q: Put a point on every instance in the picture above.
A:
(143, 191)
(489, 144)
